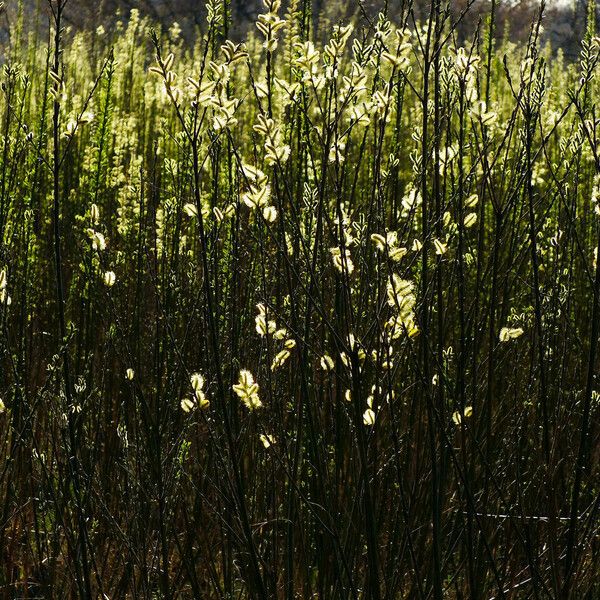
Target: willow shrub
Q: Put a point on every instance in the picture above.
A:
(294, 318)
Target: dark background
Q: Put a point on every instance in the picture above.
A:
(564, 23)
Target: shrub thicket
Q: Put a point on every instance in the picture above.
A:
(293, 320)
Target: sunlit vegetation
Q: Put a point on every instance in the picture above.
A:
(298, 318)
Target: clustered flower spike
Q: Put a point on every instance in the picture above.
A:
(402, 299)
(97, 239)
(342, 261)
(198, 398)
(211, 89)
(280, 359)
(388, 244)
(458, 417)
(259, 192)
(95, 214)
(369, 417)
(247, 390)
(400, 57)
(269, 24)
(266, 326)
(263, 325)
(109, 278)
(465, 67)
(4, 297)
(267, 440)
(307, 60)
(510, 333)
(326, 362)
(277, 152)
